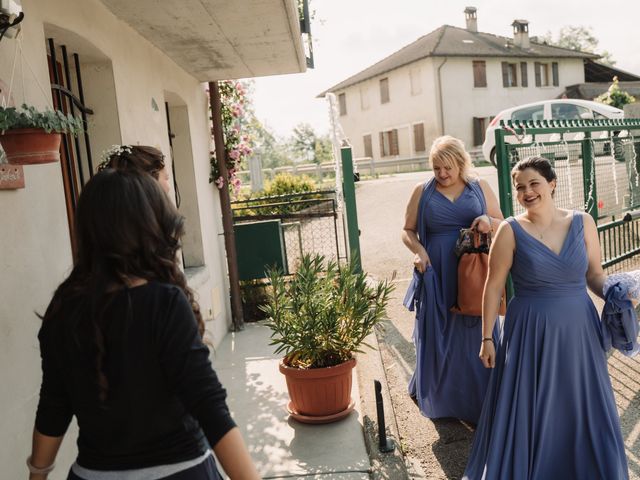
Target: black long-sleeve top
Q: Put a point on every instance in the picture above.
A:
(164, 400)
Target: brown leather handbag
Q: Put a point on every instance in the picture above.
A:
(472, 249)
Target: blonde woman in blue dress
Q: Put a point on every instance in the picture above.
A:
(448, 381)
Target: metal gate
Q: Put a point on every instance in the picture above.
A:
(597, 163)
(310, 222)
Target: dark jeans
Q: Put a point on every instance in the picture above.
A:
(204, 471)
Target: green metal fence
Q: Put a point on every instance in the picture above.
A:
(598, 167)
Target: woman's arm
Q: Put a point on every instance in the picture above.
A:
(234, 457)
(595, 273)
(500, 260)
(43, 453)
(490, 221)
(410, 229)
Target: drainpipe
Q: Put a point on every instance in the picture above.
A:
(225, 205)
(440, 95)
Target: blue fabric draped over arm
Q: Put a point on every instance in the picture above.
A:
(619, 322)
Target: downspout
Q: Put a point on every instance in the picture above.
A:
(225, 205)
(440, 97)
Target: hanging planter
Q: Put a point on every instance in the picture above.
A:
(30, 146)
(30, 137)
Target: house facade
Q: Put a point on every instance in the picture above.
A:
(137, 69)
(451, 81)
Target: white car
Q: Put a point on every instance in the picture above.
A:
(559, 109)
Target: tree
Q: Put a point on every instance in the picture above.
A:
(273, 151)
(579, 38)
(309, 146)
(324, 149)
(303, 142)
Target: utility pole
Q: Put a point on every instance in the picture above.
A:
(225, 205)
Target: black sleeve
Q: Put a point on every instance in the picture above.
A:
(54, 408)
(185, 361)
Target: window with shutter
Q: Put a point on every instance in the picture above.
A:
(389, 143)
(384, 145)
(554, 70)
(509, 74)
(384, 90)
(479, 127)
(524, 78)
(538, 71)
(418, 138)
(395, 150)
(505, 74)
(342, 101)
(368, 147)
(479, 73)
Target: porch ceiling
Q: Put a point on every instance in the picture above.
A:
(220, 39)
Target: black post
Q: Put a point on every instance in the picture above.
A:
(384, 444)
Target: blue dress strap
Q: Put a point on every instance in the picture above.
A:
(427, 192)
(475, 187)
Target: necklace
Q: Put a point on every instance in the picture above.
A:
(540, 234)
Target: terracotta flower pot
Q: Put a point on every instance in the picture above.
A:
(30, 146)
(320, 392)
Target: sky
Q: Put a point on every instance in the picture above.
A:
(350, 35)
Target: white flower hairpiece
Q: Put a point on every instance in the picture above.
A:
(113, 150)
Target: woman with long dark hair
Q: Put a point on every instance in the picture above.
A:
(122, 350)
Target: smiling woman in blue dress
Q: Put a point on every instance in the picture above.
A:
(448, 382)
(549, 412)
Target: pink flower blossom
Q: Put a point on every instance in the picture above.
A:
(219, 182)
(234, 154)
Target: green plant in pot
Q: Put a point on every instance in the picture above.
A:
(320, 317)
(29, 136)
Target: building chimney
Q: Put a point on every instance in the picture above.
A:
(471, 18)
(521, 33)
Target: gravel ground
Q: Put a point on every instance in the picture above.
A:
(435, 449)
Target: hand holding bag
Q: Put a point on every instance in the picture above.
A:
(472, 250)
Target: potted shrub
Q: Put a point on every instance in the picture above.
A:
(319, 318)
(29, 136)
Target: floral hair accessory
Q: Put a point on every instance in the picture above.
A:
(113, 151)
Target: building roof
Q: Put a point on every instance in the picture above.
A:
(599, 72)
(449, 41)
(589, 91)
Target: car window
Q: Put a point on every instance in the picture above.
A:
(535, 112)
(569, 111)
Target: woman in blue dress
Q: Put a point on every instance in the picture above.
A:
(448, 380)
(549, 412)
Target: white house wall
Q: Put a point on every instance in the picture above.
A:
(401, 112)
(34, 237)
(462, 101)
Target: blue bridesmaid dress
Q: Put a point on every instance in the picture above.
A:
(549, 411)
(449, 380)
